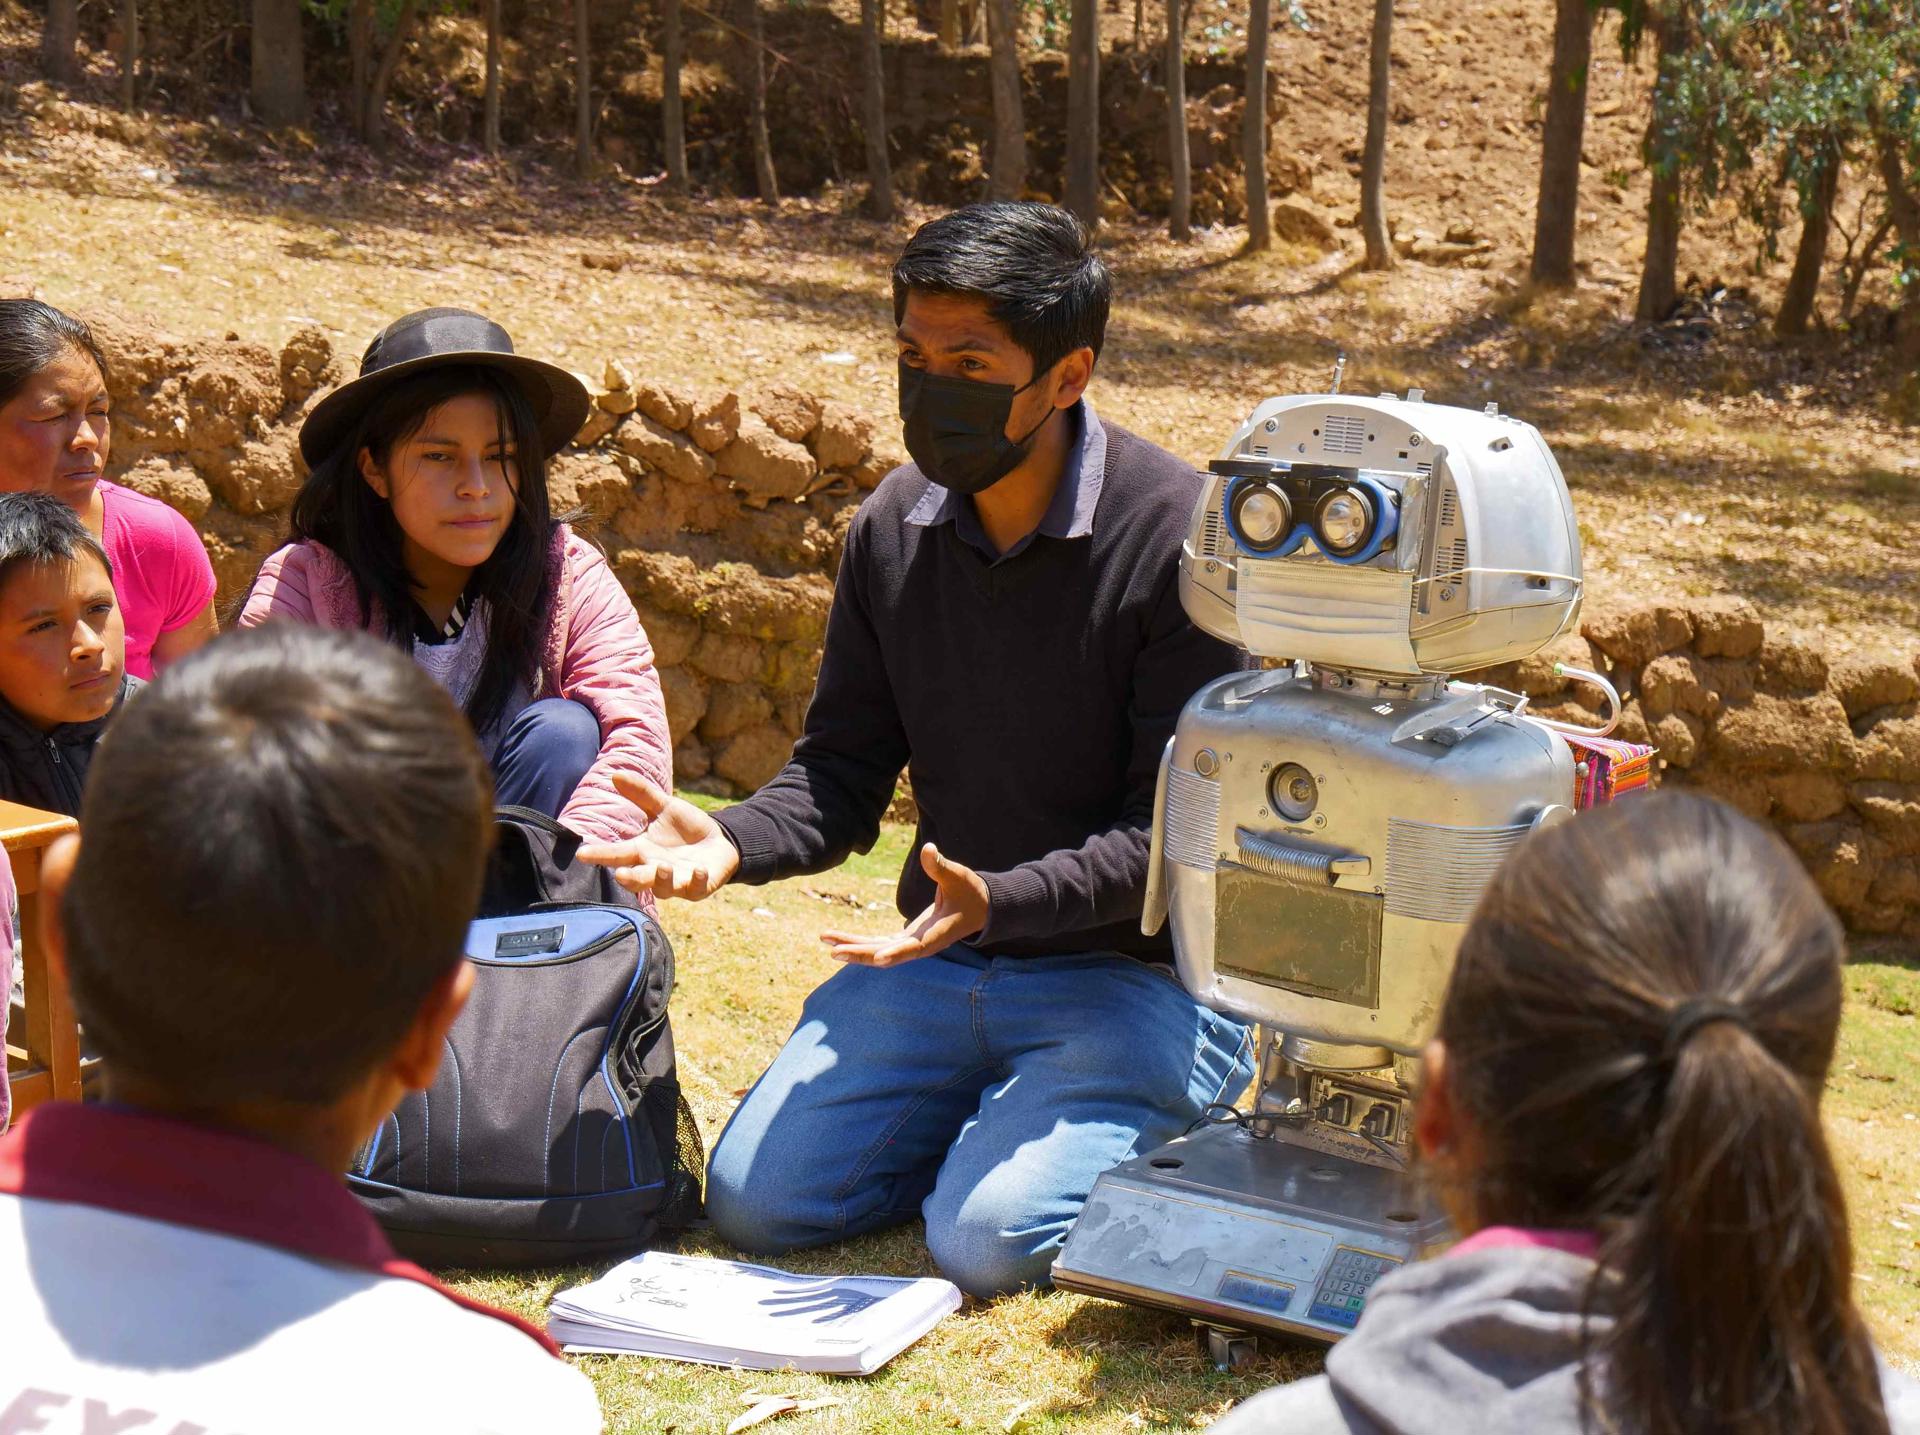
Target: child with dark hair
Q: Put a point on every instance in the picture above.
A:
(266, 962)
(55, 437)
(426, 520)
(1621, 1113)
(62, 652)
(1007, 621)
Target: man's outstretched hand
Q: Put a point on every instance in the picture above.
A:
(959, 911)
(683, 852)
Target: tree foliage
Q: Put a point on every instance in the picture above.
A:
(1776, 95)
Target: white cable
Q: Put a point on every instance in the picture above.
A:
(1586, 676)
(1457, 574)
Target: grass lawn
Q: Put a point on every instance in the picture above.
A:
(1056, 1362)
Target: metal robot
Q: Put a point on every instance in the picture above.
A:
(1322, 830)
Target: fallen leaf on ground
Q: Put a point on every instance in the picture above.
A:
(767, 1407)
(764, 1410)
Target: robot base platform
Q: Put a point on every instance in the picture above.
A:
(1248, 1232)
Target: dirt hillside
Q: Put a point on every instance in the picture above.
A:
(1784, 472)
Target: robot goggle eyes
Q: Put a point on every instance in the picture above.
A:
(1349, 522)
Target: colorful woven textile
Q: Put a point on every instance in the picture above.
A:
(1606, 768)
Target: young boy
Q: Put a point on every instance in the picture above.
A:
(263, 924)
(1007, 620)
(62, 651)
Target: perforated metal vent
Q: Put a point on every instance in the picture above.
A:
(1450, 508)
(1213, 534)
(1455, 562)
(1341, 433)
(1192, 831)
(1436, 874)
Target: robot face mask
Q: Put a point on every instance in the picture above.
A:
(1360, 611)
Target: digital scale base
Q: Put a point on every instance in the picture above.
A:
(1248, 1233)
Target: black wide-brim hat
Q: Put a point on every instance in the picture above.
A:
(431, 337)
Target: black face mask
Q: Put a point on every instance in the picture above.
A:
(956, 429)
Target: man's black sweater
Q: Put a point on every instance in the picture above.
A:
(1030, 700)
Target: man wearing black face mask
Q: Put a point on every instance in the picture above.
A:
(1007, 623)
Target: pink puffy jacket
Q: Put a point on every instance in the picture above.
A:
(595, 653)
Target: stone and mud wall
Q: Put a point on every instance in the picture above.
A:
(724, 515)
(1756, 713)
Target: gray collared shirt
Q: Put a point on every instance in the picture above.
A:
(1069, 515)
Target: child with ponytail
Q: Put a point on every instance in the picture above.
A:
(1621, 1115)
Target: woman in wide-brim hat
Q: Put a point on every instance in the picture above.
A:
(426, 520)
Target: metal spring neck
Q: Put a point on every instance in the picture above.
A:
(1304, 866)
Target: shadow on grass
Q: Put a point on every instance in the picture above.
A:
(1153, 1363)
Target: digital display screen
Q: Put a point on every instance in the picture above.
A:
(1255, 1291)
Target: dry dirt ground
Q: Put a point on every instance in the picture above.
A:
(1778, 470)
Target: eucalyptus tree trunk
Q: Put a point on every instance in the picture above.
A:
(278, 62)
(60, 40)
(359, 64)
(490, 125)
(1179, 154)
(1373, 163)
(1007, 173)
(383, 76)
(1254, 135)
(582, 89)
(874, 114)
(756, 67)
(1803, 285)
(673, 110)
(1083, 112)
(1660, 268)
(1903, 207)
(129, 51)
(1558, 213)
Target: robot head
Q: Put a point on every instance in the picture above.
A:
(1385, 535)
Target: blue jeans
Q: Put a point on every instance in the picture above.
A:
(543, 754)
(984, 1093)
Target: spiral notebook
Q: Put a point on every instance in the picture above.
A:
(720, 1312)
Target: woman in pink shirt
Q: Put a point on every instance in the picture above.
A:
(9, 914)
(54, 438)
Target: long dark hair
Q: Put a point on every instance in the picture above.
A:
(336, 506)
(35, 335)
(1638, 1028)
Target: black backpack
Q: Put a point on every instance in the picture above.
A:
(555, 1131)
